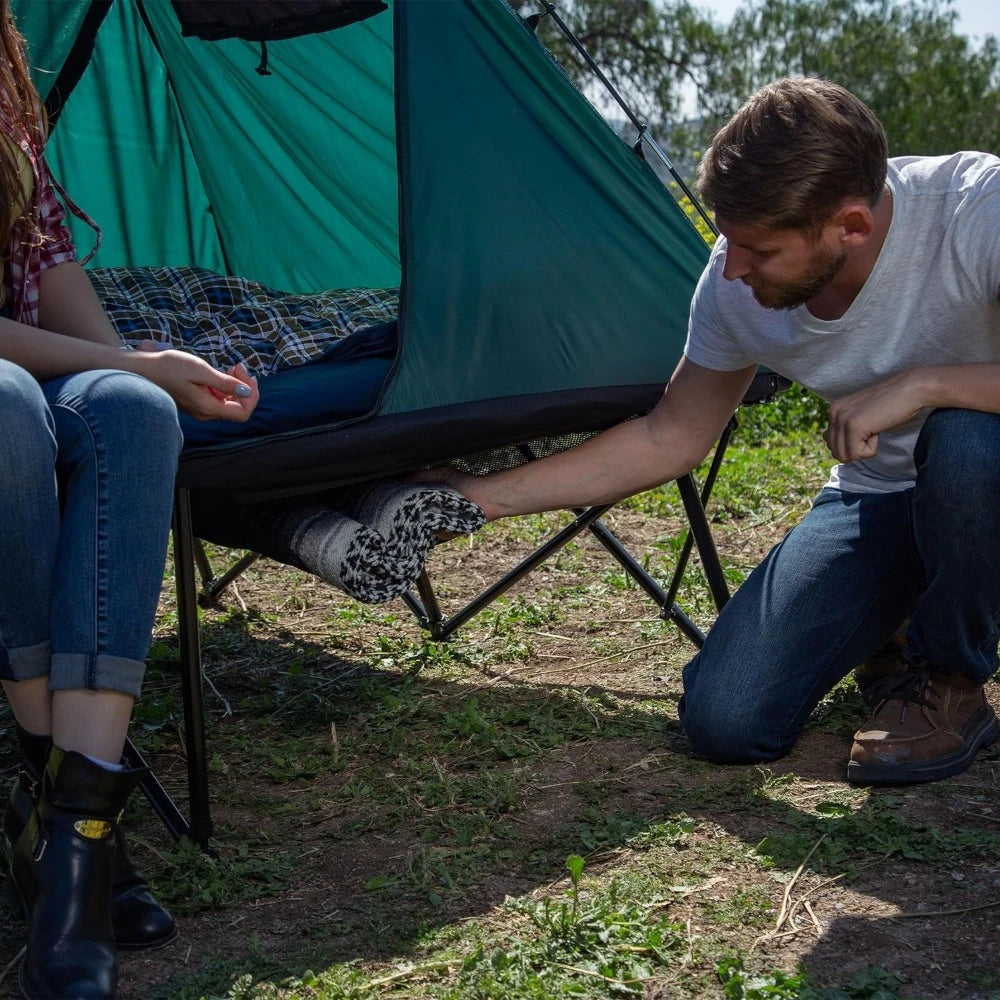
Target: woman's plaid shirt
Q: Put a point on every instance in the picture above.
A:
(39, 240)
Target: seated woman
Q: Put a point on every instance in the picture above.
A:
(88, 461)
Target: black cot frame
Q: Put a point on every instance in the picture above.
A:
(191, 563)
(364, 456)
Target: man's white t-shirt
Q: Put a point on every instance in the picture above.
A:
(931, 299)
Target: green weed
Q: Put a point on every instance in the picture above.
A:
(873, 983)
(584, 945)
(189, 880)
(792, 412)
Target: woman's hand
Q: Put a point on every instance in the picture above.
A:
(195, 386)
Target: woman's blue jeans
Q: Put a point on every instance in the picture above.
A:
(843, 580)
(87, 463)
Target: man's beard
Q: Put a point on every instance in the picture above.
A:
(824, 266)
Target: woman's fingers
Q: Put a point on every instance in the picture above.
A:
(197, 387)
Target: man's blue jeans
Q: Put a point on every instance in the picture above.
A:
(87, 464)
(843, 580)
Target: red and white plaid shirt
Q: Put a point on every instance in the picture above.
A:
(38, 244)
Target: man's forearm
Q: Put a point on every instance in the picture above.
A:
(624, 460)
(966, 387)
(629, 458)
(857, 420)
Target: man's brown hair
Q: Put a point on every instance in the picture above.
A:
(795, 150)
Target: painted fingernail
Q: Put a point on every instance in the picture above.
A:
(243, 391)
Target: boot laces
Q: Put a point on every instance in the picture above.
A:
(909, 687)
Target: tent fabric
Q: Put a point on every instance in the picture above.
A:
(186, 156)
(76, 63)
(530, 229)
(545, 272)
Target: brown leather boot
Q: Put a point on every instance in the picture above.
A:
(928, 725)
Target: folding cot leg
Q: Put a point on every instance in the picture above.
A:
(695, 508)
(426, 607)
(628, 562)
(157, 796)
(703, 540)
(211, 585)
(699, 531)
(200, 825)
(428, 613)
(201, 561)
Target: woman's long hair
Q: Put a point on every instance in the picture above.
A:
(22, 117)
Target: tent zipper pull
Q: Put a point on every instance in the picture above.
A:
(262, 69)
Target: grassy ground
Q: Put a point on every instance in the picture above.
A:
(511, 814)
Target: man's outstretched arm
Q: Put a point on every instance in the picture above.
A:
(630, 457)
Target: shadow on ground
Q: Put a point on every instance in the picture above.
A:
(363, 804)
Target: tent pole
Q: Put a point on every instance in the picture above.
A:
(641, 126)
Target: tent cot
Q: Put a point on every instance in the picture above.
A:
(545, 273)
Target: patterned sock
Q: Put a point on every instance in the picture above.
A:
(409, 516)
(370, 541)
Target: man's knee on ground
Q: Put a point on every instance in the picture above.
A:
(727, 733)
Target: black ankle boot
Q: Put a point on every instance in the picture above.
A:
(139, 920)
(61, 872)
(24, 794)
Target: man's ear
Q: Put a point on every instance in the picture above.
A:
(856, 223)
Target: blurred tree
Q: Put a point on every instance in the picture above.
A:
(648, 49)
(933, 89)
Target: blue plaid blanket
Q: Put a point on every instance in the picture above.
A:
(226, 320)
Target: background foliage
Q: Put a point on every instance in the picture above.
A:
(685, 72)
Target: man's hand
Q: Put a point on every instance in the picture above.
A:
(463, 482)
(195, 386)
(857, 420)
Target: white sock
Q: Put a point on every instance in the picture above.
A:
(106, 764)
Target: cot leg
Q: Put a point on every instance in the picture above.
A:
(191, 675)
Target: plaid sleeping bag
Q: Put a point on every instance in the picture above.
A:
(226, 320)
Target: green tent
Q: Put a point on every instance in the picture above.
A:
(435, 145)
(545, 273)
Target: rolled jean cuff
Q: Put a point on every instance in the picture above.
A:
(25, 662)
(103, 672)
